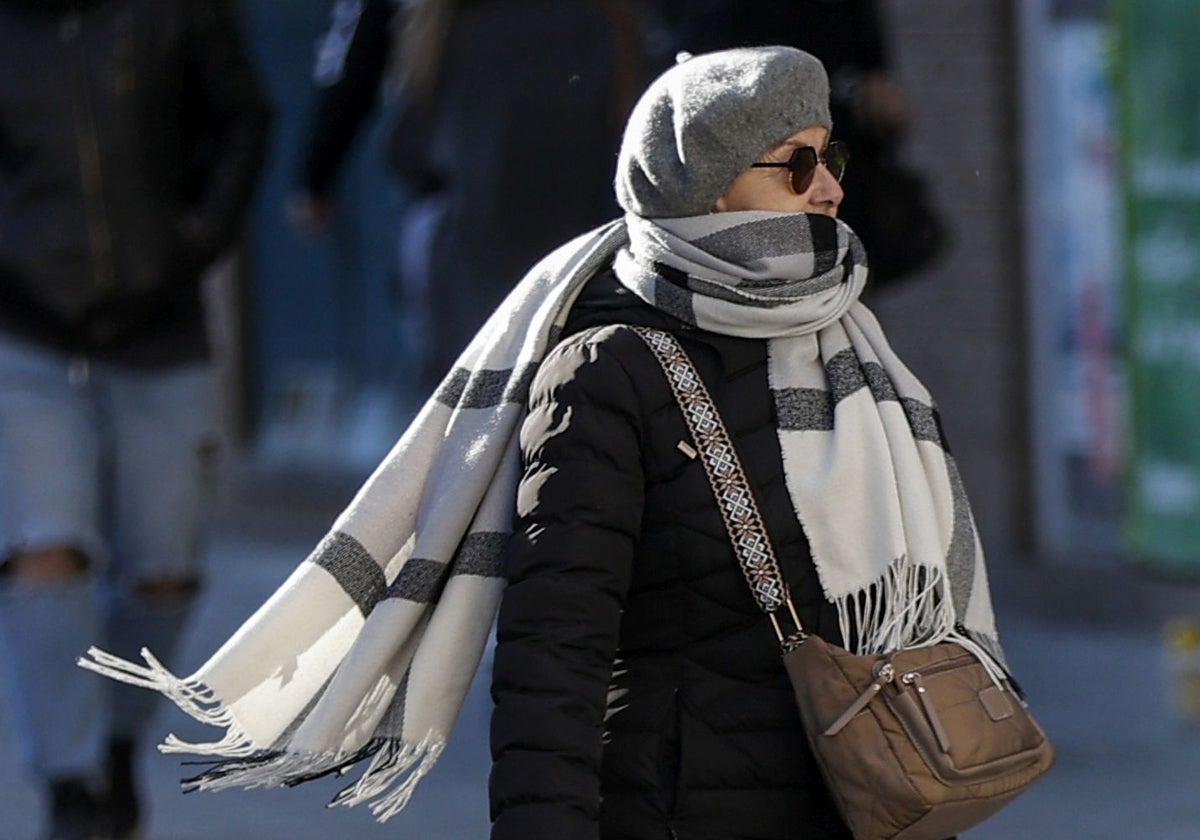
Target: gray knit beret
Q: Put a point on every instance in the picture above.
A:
(703, 122)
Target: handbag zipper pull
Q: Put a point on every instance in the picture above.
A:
(914, 679)
(884, 674)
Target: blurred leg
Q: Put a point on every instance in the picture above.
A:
(49, 508)
(60, 710)
(51, 557)
(163, 465)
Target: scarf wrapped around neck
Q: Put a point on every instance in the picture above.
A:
(365, 653)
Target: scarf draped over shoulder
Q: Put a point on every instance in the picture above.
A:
(365, 653)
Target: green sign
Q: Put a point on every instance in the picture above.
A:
(1158, 90)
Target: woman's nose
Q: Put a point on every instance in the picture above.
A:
(827, 191)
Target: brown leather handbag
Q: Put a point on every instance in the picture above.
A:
(916, 744)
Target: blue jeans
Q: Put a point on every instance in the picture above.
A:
(115, 463)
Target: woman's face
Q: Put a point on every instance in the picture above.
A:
(769, 188)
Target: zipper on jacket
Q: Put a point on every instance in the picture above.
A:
(677, 773)
(87, 142)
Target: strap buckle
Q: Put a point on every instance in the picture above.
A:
(790, 641)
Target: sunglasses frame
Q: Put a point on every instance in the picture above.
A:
(802, 164)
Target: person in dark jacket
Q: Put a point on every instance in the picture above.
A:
(639, 693)
(497, 106)
(131, 137)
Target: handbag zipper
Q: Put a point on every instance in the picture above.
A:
(956, 661)
(884, 674)
(915, 679)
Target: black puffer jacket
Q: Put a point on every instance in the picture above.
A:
(131, 136)
(621, 555)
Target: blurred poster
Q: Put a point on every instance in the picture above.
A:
(1073, 223)
(1158, 88)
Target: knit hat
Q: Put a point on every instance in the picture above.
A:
(703, 122)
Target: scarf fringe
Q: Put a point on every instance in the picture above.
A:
(193, 698)
(388, 783)
(275, 769)
(908, 606)
(385, 786)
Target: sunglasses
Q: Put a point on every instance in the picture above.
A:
(803, 164)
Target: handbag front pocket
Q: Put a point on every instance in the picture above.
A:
(966, 727)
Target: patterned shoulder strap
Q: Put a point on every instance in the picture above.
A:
(714, 447)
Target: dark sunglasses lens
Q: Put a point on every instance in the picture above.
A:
(802, 165)
(836, 158)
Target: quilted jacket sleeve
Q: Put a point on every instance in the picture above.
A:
(579, 509)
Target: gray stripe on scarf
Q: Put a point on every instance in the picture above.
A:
(925, 422)
(826, 258)
(960, 555)
(880, 384)
(485, 388)
(760, 239)
(804, 409)
(422, 580)
(847, 375)
(673, 300)
(419, 581)
(481, 554)
(353, 568)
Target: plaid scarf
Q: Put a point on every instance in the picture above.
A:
(366, 652)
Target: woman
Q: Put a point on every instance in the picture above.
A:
(639, 693)
(620, 554)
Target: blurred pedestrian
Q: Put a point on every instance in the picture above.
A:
(504, 121)
(131, 136)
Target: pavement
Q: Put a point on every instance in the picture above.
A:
(1085, 639)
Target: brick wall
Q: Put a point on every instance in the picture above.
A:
(959, 325)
